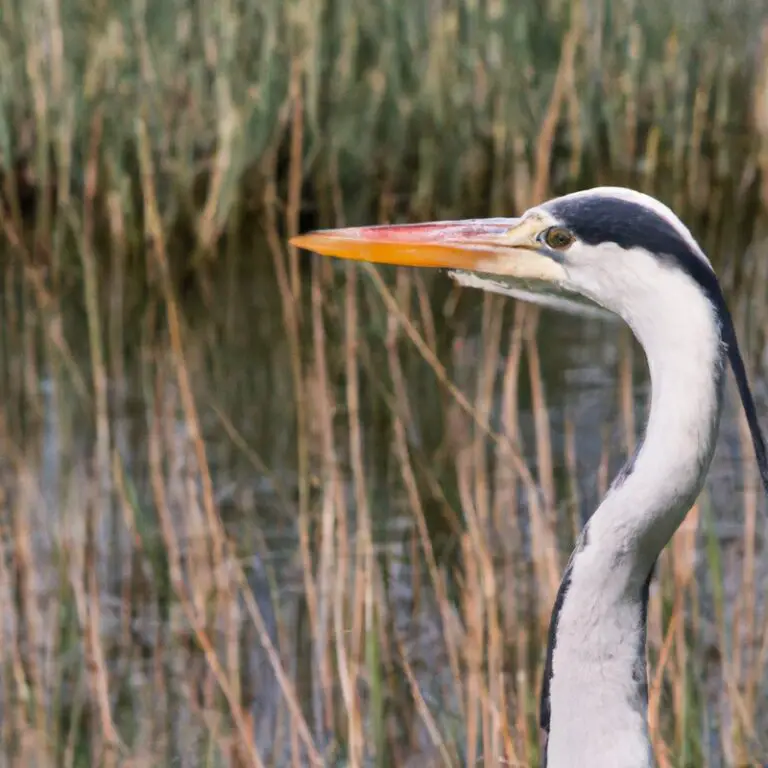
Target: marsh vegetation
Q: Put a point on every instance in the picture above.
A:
(262, 509)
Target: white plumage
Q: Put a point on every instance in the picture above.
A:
(598, 713)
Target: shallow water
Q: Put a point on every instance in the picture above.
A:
(238, 358)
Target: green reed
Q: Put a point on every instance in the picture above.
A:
(455, 105)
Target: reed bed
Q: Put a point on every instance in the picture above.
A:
(259, 509)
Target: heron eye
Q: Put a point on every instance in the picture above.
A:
(558, 238)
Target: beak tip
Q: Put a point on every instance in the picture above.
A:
(315, 242)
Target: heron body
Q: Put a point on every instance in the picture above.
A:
(618, 251)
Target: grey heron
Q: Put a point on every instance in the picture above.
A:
(613, 250)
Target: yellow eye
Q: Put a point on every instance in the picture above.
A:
(558, 238)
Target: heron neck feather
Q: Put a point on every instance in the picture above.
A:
(597, 692)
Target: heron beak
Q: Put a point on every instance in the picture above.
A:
(491, 246)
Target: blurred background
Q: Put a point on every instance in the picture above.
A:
(263, 509)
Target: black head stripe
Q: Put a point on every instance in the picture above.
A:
(596, 219)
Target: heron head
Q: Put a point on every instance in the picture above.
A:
(605, 251)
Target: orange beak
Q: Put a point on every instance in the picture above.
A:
(469, 244)
(503, 255)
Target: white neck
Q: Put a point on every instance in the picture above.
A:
(598, 690)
